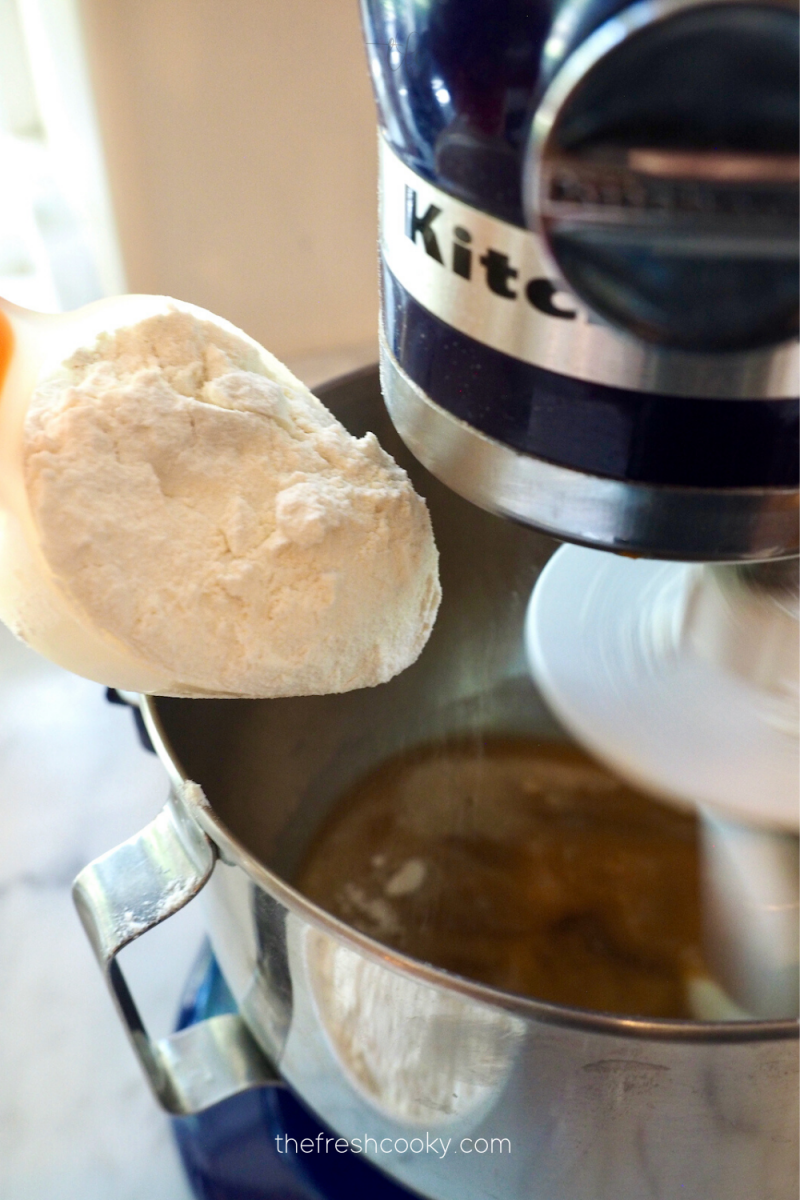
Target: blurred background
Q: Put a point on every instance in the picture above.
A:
(219, 151)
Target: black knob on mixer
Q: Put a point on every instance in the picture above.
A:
(662, 169)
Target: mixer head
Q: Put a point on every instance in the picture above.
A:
(589, 319)
(589, 264)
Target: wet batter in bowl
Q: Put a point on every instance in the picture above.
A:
(522, 865)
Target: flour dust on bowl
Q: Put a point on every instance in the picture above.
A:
(539, 1098)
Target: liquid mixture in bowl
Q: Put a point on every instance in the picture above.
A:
(523, 865)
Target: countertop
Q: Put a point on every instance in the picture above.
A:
(77, 1121)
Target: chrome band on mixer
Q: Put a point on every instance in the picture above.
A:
(494, 282)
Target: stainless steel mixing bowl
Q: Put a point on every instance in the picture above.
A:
(532, 1099)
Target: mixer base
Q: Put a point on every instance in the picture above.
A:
(230, 1151)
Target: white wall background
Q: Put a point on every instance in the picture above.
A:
(239, 138)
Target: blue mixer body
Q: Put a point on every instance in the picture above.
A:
(457, 83)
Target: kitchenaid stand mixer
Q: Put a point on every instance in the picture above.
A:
(589, 267)
(588, 298)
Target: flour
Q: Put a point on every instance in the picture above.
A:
(194, 501)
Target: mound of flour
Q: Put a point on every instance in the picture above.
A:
(196, 502)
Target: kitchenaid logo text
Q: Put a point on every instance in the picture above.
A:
(499, 273)
(438, 1146)
(492, 281)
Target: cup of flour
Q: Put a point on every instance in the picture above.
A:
(181, 516)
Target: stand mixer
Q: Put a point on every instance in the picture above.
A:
(589, 268)
(588, 251)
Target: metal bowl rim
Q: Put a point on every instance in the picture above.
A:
(233, 852)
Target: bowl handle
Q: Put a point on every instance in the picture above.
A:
(120, 896)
